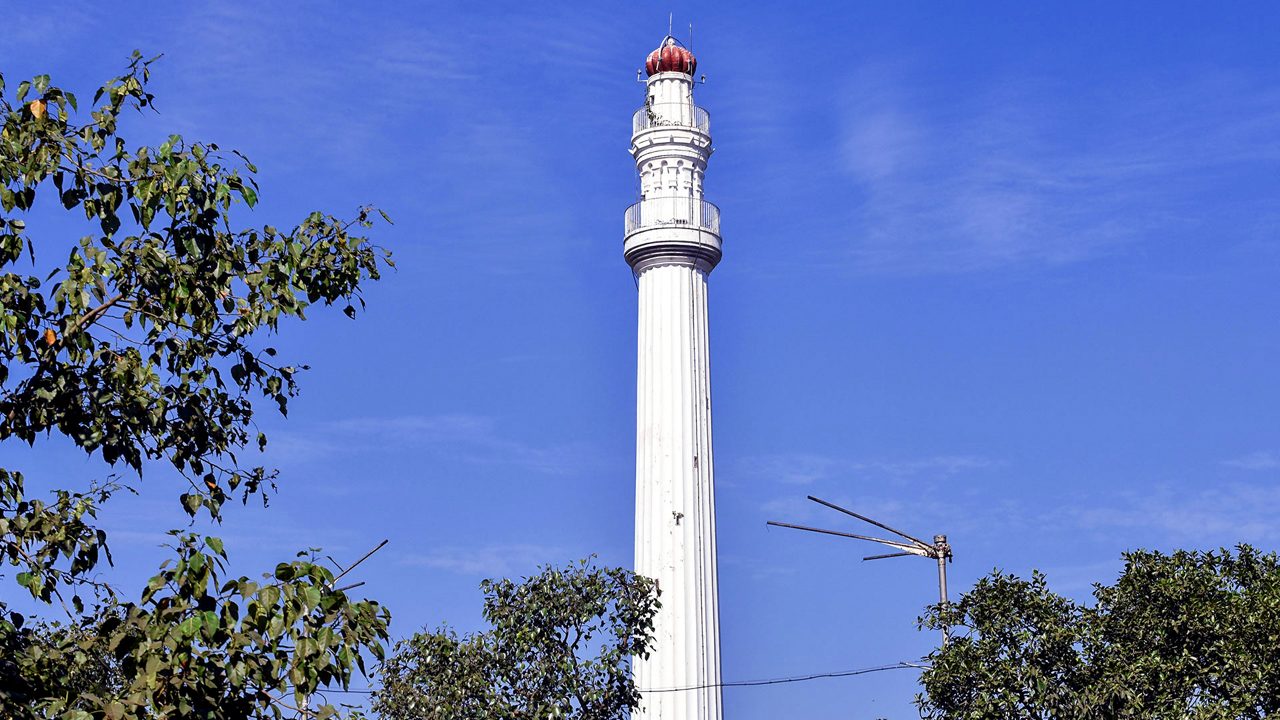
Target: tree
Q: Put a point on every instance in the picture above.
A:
(1186, 636)
(559, 647)
(145, 346)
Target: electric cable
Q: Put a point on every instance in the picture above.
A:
(799, 678)
(751, 683)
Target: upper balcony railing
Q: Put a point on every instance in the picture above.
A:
(673, 212)
(677, 114)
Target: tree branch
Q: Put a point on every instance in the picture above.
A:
(89, 318)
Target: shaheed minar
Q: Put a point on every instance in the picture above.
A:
(672, 242)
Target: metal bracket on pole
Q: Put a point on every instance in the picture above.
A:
(939, 549)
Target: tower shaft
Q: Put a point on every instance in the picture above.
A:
(675, 494)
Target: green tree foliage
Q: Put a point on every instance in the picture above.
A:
(141, 343)
(559, 647)
(1187, 636)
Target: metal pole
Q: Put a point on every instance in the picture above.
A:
(940, 552)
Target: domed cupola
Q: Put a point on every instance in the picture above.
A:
(671, 57)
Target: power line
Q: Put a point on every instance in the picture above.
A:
(749, 683)
(798, 678)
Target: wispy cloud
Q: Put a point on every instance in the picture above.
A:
(754, 568)
(467, 438)
(1240, 512)
(282, 71)
(1261, 460)
(32, 26)
(927, 492)
(1077, 579)
(1028, 171)
(805, 469)
(487, 561)
(793, 508)
(922, 489)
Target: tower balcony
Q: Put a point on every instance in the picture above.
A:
(671, 115)
(673, 212)
(681, 230)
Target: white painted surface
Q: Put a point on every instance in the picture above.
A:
(672, 244)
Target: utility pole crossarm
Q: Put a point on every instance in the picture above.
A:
(889, 555)
(910, 549)
(866, 519)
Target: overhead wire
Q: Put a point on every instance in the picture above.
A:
(750, 683)
(798, 678)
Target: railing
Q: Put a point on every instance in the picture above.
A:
(678, 114)
(673, 212)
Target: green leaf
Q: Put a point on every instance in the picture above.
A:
(215, 544)
(190, 626)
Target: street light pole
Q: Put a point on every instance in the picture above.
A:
(942, 552)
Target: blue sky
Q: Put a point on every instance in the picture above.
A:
(1006, 271)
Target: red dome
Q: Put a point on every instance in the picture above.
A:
(670, 57)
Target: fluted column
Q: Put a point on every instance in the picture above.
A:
(675, 495)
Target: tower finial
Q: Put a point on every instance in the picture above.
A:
(670, 19)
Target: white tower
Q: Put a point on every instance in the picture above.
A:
(672, 242)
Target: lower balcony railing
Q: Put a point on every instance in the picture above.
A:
(673, 212)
